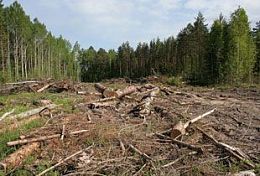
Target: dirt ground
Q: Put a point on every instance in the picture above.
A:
(115, 131)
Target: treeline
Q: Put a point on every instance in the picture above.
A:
(29, 50)
(228, 52)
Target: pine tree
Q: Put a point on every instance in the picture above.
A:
(216, 56)
(256, 34)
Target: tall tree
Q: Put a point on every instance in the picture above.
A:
(216, 57)
(256, 34)
(241, 57)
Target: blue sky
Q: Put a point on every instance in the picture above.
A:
(109, 23)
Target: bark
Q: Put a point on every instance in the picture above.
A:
(180, 129)
(15, 159)
(126, 91)
(33, 112)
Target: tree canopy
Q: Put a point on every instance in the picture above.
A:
(226, 52)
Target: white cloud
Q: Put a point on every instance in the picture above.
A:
(108, 23)
(212, 8)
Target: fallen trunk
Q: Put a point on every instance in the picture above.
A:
(100, 88)
(43, 88)
(33, 112)
(6, 114)
(16, 158)
(126, 91)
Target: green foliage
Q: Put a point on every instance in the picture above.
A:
(225, 54)
(241, 54)
(28, 50)
(174, 81)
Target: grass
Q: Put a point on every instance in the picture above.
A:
(14, 134)
(174, 81)
(25, 101)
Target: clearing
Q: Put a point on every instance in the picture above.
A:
(136, 130)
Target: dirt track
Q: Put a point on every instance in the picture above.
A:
(113, 130)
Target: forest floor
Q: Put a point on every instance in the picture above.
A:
(121, 138)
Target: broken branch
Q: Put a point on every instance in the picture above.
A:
(180, 129)
(42, 138)
(64, 160)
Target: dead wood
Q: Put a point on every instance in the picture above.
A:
(16, 158)
(63, 132)
(109, 93)
(180, 129)
(103, 104)
(144, 108)
(33, 111)
(23, 82)
(180, 143)
(234, 151)
(122, 146)
(64, 160)
(166, 90)
(178, 159)
(44, 88)
(42, 138)
(82, 92)
(144, 155)
(6, 114)
(140, 170)
(243, 173)
(127, 91)
(99, 87)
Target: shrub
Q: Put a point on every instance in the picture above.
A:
(174, 81)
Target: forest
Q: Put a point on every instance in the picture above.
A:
(226, 52)
(184, 105)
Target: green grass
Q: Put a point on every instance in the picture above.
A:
(174, 81)
(14, 134)
(25, 101)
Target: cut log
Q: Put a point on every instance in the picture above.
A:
(33, 111)
(23, 82)
(109, 93)
(15, 159)
(42, 138)
(82, 92)
(100, 88)
(43, 88)
(126, 91)
(180, 129)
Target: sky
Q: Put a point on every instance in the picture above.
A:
(108, 23)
